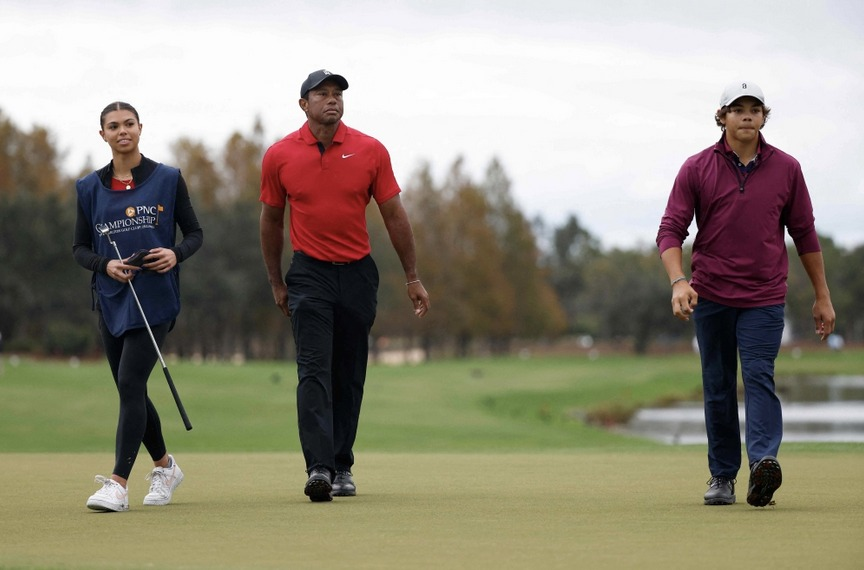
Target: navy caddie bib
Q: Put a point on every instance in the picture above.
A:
(140, 218)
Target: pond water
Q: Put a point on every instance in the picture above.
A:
(815, 409)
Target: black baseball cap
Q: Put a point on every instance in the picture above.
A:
(316, 78)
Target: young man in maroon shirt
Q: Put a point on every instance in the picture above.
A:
(327, 173)
(744, 194)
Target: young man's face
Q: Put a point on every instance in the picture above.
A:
(323, 104)
(744, 120)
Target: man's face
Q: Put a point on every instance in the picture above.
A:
(744, 119)
(323, 104)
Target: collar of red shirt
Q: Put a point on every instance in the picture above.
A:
(309, 138)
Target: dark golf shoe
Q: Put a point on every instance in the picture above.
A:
(318, 486)
(765, 479)
(343, 485)
(721, 491)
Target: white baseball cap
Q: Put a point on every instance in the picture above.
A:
(740, 89)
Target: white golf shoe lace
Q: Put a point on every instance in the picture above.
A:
(158, 482)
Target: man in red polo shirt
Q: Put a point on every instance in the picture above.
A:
(745, 194)
(327, 173)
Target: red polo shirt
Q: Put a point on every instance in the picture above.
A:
(328, 192)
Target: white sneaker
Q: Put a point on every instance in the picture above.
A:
(163, 481)
(111, 497)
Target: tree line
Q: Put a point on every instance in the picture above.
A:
(496, 278)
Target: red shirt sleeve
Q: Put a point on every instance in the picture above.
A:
(272, 192)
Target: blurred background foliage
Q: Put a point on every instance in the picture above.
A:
(499, 281)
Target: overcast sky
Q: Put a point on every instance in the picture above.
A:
(591, 106)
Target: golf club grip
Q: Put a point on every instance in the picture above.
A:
(174, 393)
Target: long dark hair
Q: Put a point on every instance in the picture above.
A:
(117, 106)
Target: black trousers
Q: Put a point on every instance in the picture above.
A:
(332, 311)
(131, 358)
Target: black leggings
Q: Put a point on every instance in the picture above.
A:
(131, 358)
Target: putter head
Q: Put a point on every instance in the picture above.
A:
(104, 230)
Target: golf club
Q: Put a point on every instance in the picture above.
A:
(106, 232)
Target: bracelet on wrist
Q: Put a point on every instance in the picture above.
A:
(412, 282)
(674, 281)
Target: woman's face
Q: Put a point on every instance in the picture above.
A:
(122, 131)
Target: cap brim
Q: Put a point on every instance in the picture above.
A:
(742, 96)
(340, 81)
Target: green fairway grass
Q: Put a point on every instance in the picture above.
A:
(486, 405)
(555, 510)
(481, 463)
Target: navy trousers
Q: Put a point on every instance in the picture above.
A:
(332, 311)
(725, 334)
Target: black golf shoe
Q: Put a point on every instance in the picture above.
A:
(765, 479)
(721, 491)
(343, 485)
(318, 486)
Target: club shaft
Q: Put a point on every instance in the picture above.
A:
(141, 310)
(168, 378)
